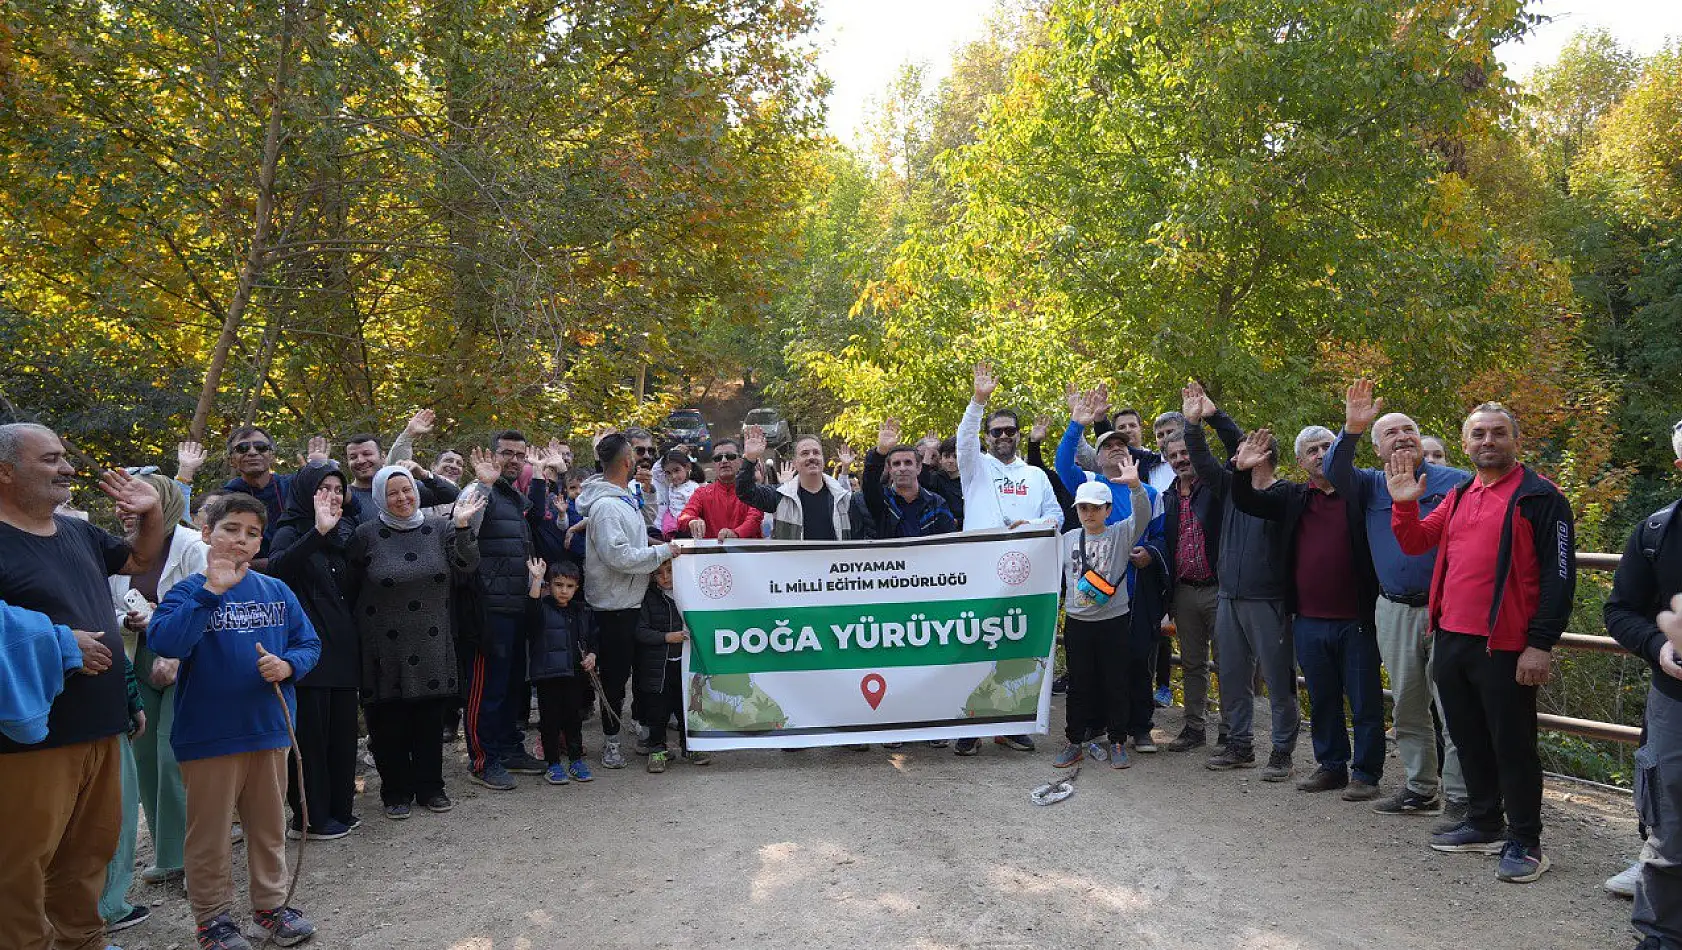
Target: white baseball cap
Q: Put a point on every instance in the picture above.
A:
(1094, 493)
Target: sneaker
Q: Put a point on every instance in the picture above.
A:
(640, 746)
(1223, 738)
(1164, 697)
(1465, 839)
(1454, 815)
(1521, 864)
(1188, 739)
(641, 731)
(856, 747)
(331, 831)
(657, 761)
(221, 933)
(1069, 757)
(397, 812)
(939, 743)
(698, 758)
(136, 915)
(524, 763)
(1406, 801)
(1144, 742)
(612, 758)
(556, 775)
(1019, 743)
(1359, 791)
(1232, 757)
(1118, 756)
(1278, 766)
(1060, 685)
(157, 875)
(1324, 780)
(1623, 883)
(967, 746)
(493, 776)
(439, 803)
(353, 822)
(893, 745)
(1097, 751)
(286, 926)
(579, 771)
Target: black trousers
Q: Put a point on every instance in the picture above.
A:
(1164, 660)
(558, 719)
(407, 737)
(1098, 682)
(1492, 720)
(327, 731)
(616, 632)
(659, 706)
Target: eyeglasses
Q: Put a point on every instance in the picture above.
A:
(645, 450)
(1002, 431)
(725, 456)
(240, 448)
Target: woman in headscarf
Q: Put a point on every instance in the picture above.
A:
(308, 553)
(400, 566)
(162, 796)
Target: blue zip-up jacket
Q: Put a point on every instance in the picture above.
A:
(35, 657)
(1398, 574)
(1121, 505)
(223, 706)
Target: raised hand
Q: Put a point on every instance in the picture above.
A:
(1359, 406)
(420, 423)
(329, 508)
(96, 657)
(554, 457)
(189, 458)
(753, 443)
(133, 496)
(1037, 433)
(985, 382)
(221, 574)
(317, 449)
(417, 471)
(1253, 450)
(1399, 476)
(537, 569)
(485, 467)
(844, 455)
(786, 473)
(1083, 407)
(467, 506)
(1191, 403)
(1128, 472)
(887, 436)
(698, 529)
(273, 668)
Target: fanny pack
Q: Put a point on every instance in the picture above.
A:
(1094, 585)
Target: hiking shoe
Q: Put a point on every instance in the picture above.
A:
(1278, 766)
(524, 763)
(967, 746)
(939, 743)
(286, 926)
(397, 812)
(1359, 791)
(439, 803)
(1069, 757)
(1465, 839)
(493, 776)
(1454, 815)
(1118, 756)
(1623, 883)
(698, 758)
(1406, 801)
(556, 775)
(1223, 738)
(1188, 739)
(657, 761)
(157, 875)
(221, 933)
(1163, 697)
(136, 915)
(1324, 780)
(1232, 757)
(1521, 864)
(579, 771)
(1019, 743)
(1144, 742)
(612, 758)
(1060, 685)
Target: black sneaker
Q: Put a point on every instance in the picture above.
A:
(1188, 739)
(1466, 839)
(440, 803)
(397, 812)
(967, 746)
(523, 763)
(1232, 757)
(1454, 815)
(1278, 766)
(1324, 780)
(1060, 685)
(136, 915)
(493, 776)
(1406, 801)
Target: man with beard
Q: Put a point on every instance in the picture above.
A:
(714, 511)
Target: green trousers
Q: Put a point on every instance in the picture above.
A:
(162, 795)
(119, 874)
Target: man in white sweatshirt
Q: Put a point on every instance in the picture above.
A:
(1001, 490)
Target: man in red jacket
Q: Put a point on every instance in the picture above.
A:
(1500, 597)
(714, 511)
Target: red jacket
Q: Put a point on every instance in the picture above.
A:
(716, 504)
(1536, 562)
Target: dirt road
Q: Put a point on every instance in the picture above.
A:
(919, 848)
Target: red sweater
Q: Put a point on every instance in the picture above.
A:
(716, 504)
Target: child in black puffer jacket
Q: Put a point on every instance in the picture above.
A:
(658, 672)
(561, 639)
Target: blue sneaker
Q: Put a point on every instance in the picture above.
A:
(1070, 755)
(967, 746)
(285, 925)
(1118, 756)
(1164, 697)
(1469, 840)
(1019, 743)
(1520, 864)
(556, 774)
(579, 771)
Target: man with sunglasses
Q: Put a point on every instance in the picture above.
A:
(714, 511)
(251, 458)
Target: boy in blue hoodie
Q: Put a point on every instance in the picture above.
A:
(560, 640)
(236, 632)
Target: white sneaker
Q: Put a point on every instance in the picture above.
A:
(612, 758)
(1623, 883)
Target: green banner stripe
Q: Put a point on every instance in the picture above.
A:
(871, 636)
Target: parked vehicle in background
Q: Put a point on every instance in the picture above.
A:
(687, 427)
(772, 421)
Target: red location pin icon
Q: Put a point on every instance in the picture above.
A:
(874, 687)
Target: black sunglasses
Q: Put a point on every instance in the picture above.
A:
(645, 450)
(240, 448)
(725, 456)
(1002, 431)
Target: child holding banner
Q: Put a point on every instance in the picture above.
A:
(1095, 603)
(658, 671)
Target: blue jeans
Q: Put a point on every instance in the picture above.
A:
(1340, 658)
(490, 711)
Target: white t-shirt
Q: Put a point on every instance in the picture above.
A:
(997, 493)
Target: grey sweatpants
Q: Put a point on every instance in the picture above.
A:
(1405, 643)
(1194, 624)
(1251, 634)
(1658, 799)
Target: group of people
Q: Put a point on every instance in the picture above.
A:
(169, 671)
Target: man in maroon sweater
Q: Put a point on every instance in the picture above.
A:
(714, 511)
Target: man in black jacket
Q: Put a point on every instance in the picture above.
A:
(1649, 579)
(1333, 592)
(901, 507)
